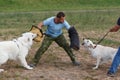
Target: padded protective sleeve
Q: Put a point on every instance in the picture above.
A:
(74, 38)
(118, 22)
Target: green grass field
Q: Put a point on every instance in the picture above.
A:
(17, 16)
(56, 5)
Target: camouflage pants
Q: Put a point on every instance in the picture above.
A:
(60, 40)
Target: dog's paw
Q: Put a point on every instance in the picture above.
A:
(94, 68)
(1, 70)
(28, 67)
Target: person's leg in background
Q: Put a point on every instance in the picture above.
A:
(116, 61)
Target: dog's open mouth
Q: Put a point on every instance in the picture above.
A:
(83, 43)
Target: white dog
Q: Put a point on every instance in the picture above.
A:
(17, 49)
(102, 53)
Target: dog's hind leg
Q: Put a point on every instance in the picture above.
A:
(1, 70)
(3, 59)
(104, 61)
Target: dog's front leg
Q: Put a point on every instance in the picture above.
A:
(97, 63)
(24, 62)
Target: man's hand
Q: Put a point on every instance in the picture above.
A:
(40, 25)
(115, 28)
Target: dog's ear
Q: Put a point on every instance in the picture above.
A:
(23, 34)
(28, 39)
(85, 38)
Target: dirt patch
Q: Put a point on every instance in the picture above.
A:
(56, 65)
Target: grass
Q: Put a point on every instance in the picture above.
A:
(14, 24)
(56, 5)
(99, 18)
(21, 14)
(17, 16)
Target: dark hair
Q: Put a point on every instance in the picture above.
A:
(60, 14)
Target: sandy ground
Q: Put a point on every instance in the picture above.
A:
(56, 65)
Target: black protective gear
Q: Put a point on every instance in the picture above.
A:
(74, 38)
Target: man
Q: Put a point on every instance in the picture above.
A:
(116, 61)
(54, 33)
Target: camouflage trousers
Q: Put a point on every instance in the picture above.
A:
(60, 40)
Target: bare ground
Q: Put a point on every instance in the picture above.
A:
(56, 65)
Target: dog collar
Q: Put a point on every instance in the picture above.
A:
(16, 43)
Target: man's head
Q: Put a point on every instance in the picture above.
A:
(60, 17)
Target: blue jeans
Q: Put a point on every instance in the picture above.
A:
(115, 63)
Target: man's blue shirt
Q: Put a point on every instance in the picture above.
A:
(53, 29)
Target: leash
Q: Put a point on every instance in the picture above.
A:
(103, 38)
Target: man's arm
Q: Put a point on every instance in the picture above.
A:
(40, 25)
(116, 27)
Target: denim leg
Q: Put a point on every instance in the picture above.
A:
(115, 63)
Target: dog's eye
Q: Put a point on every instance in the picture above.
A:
(87, 41)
